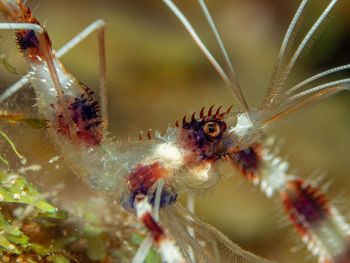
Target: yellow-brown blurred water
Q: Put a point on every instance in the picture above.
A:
(156, 74)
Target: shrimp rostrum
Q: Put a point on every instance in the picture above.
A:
(146, 176)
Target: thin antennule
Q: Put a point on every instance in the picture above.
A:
(300, 48)
(233, 88)
(317, 76)
(317, 93)
(228, 62)
(277, 66)
(318, 88)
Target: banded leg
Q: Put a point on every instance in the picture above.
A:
(147, 242)
(166, 247)
(43, 52)
(318, 222)
(98, 25)
(35, 44)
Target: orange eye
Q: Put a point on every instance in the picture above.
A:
(212, 129)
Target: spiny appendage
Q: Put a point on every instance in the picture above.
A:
(84, 111)
(318, 223)
(248, 162)
(16, 11)
(261, 165)
(166, 246)
(210, 116)
(28, 43)
(142, 180)
(274, 169)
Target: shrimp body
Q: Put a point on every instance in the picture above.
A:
(184, 157)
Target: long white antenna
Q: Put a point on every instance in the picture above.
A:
(205, 51)
(301, 47)
(342, 82)
(317, 76)
(270, 91)
(234, 78)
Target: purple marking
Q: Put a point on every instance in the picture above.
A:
(248, 160)
(27, 39)
(309, 205)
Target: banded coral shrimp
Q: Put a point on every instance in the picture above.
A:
(190, 106)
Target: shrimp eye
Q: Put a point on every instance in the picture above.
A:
(212, 129)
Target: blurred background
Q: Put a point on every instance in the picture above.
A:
(156, 74)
